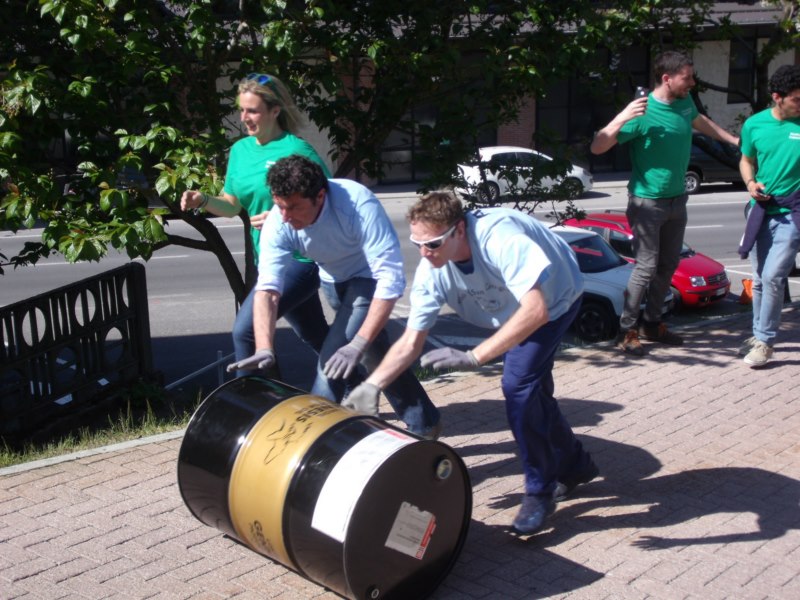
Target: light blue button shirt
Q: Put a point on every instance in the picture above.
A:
(352, 237)
(511, 253)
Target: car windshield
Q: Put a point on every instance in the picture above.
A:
(595, 255)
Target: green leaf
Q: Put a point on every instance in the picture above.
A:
(153, 230)
(59, 13)
(163, 184)
(71, 249)
(105, 200)
(8, 140)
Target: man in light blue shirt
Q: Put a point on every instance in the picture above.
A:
(503, 270)
(341, 226)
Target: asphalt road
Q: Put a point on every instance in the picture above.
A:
(192, 310)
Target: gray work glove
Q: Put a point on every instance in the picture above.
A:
(363, 399)
(449, 358)
(345, 359)
(263, 359)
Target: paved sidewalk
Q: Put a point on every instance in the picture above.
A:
(699, 495)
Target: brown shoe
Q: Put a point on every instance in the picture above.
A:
(628, 341)
(658, 332)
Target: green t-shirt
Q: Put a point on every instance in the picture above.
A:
(660, 146)
(248, 165)
(775, 145)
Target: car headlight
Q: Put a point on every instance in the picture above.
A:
(697, 280)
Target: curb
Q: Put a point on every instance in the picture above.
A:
(54, 460)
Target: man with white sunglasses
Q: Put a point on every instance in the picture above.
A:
(505, 271)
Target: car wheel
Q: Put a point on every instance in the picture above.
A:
(573, 188)
(594, 322)
(677, 302)
(693, 181)
(488, 192)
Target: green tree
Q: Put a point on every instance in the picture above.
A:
(111, 109)
(783, 35)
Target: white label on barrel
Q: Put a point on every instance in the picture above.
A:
(412, 530)
(347, 480)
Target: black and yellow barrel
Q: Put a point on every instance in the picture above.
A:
(348, 501)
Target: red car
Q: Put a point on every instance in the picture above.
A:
(699, 279)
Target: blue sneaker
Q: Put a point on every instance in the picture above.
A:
(532, 514)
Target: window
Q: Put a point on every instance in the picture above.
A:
(741, 70)
(621, 243)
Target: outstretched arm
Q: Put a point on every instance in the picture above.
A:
(224, 205)
(365, 398)
(705, 125)
(265, 311)
(530, 316)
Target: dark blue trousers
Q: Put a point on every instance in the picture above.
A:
(548, 448)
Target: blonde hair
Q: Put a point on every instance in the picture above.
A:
(274, 93)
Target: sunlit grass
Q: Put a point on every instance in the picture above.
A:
(130, 423)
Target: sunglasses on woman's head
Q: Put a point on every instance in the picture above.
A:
(436, 242)
(261, 79)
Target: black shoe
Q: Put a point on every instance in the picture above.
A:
(532, 514)
(568, 484)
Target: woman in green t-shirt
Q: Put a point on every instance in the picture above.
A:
(270, 119)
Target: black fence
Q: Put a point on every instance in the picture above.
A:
(64, 350)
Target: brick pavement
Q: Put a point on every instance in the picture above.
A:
(699, 495)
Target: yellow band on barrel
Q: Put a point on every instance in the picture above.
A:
(265, 465)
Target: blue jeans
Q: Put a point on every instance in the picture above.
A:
(777, 243)
(658, 227)
(299, 304)
(351, 300)
(548, 448)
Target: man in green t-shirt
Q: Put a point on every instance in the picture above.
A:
(770, 168)
(658, 128)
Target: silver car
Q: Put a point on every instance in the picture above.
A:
(605, 282)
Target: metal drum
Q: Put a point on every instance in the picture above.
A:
(349, 501)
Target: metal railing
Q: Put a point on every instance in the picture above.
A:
(221, 360)
(65, 349)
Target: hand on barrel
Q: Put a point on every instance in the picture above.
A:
(363, 399)
(263, 359)
(449, 358)
(345, 359)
